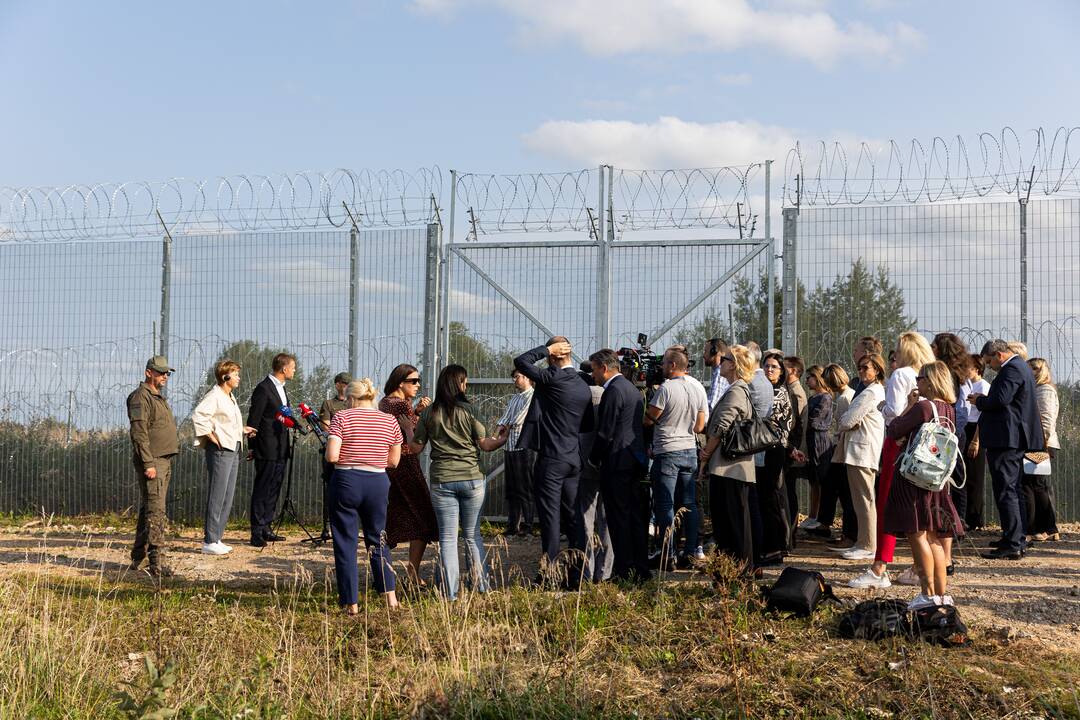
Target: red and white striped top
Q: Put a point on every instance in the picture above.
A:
(366, 436)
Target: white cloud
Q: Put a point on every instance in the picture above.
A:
(667, 143)
(733, 78)
(615, 27)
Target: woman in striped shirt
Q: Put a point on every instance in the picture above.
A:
(363, 443)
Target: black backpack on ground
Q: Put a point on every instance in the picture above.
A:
(798, 591)
(875, 619)
(940, 625)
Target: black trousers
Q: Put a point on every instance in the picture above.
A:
(269, 475)
(627, 509)
(518, 477)
(834, 487)
(773, 503)
(1006, 465)
(555, 484)
(731, 518)
(969, 500)
(1039, 504)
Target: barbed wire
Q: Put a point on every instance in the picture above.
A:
(239, 203)
(942, 169)
(641, 199)
(680, 199)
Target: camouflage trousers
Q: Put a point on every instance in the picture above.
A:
(150, 531)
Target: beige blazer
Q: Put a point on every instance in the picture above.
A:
(862, 430)
(1046, 399)
(734, 406)
(218, 413)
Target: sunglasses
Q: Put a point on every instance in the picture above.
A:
(770, 368)
(921, 377)
(728, 358)
(412, 381)
(158, 372)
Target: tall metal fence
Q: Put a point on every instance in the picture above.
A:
(361, 271)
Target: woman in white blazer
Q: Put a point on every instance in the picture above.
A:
(862, 432)
(220, 429)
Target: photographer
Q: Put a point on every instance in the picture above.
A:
(677, 411)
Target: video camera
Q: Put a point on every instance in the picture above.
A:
(641, 365)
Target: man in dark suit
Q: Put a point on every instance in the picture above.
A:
(560, 410)
(619, 454)
(270, 446)
(1008, 427)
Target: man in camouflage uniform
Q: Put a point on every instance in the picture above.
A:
(154, 444)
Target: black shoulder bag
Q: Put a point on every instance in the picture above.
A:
(749, 437)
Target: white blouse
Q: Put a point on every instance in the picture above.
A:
(218, 413)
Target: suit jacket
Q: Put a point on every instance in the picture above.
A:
(557, 413)
(862, 429)
(586, 440)
(271, 442)
(1010, 416)
(619, 444)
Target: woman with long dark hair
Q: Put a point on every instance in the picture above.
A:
(409, 515)
(772, 495)
(456, 438)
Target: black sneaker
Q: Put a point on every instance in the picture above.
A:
(257, 542)
(274, 537)
(134, 565)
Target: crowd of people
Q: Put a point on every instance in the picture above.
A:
(616, 468)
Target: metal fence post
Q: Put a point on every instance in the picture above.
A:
(1023, 270)
(603, 275)
(431, 304)
(444, 279)
(789, 320)
(354, 301)
(166, 292)
(770, 265)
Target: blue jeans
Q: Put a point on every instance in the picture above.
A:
(458, 504)
(673, 476)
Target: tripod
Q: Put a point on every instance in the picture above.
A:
(288, 507)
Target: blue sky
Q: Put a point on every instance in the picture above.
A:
(119, 91)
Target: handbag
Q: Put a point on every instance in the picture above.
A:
(798, 591)
(749, 437)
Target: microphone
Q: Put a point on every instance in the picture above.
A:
(314, 421)
(284, 416)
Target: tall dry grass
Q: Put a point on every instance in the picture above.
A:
(77, 645)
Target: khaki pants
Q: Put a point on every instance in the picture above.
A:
(861, 482)
(150, 531)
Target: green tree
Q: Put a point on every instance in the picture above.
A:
(477, 357)
(255, 361)
(862, 302)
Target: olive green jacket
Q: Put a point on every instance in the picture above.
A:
(153, 427)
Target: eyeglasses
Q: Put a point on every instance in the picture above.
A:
(412, 381)
(771, 368)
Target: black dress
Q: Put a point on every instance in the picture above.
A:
(409, 515)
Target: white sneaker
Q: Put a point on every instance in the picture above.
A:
(841, 549)
(909, 577)
(699, 554)
(921, 601)
(214, 549)
(809, 524)
(870, 579)
(947, 600)
(228, 548)
(857, 554)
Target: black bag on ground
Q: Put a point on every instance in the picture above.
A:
(940, 625)
(798, 591)
(875, 620)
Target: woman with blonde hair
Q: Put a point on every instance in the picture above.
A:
(220, 429)
(923, 516)
(1038, 490)
(363, 442)
(730, 478)
(912, 352)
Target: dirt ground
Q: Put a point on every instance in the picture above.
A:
(1037, 597)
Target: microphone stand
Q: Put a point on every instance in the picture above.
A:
(288, 507)
(324, 535)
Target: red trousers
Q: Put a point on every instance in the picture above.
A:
(886, 543)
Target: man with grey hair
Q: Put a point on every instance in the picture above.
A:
(1009, 426)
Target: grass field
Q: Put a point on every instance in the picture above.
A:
(105, 644)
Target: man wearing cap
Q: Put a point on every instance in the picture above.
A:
(154, 444)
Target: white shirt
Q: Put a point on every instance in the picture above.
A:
(514, 417)
(897, 389)
(218, 413)
(280, 389)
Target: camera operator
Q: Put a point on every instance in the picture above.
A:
(677, 410)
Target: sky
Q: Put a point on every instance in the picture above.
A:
(113, 92)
